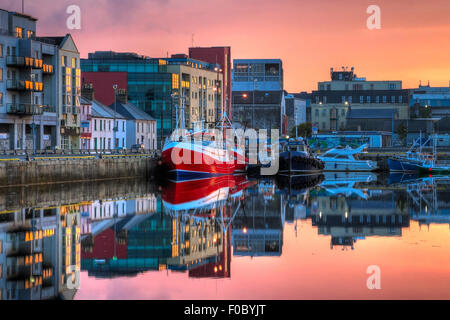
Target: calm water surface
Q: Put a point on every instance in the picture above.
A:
(228, 238)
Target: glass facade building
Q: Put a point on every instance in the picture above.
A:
(149, 85)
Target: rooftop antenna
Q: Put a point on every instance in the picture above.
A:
(192, 40)
(23, 6)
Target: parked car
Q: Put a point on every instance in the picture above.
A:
(139, 146)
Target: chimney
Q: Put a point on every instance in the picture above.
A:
(87, 91)
(122, 96)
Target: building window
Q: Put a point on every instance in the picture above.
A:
(400, 99)
(1, 98)
(19, 32)
(30, 34)
(350, 99)
(361, 99)
(377, 99)
(392, 86)
(1, 74)
(63, 61)
(1, 51)
(393, 99)
(384, 99)
(343, 99)
(74, 63)
(317, 112)
(368, 99)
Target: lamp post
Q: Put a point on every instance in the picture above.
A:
(253, 102)
(33, 125)
(115, 111)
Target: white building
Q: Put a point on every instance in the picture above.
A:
(102, 126)
(141, 127)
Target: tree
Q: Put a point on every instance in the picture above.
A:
(303, 130)
(401, 131)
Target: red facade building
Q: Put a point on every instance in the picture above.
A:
(103, 82)
(222, 56)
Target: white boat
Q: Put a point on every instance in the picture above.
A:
(342, 159)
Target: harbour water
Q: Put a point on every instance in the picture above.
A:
(229, 238)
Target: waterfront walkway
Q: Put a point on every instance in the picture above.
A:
(49, 155)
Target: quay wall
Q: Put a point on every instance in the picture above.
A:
(17, 173)
(14, 198)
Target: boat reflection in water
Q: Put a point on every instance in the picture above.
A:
(121, 229)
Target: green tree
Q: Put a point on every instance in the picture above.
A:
(303, 130)
(401, 131)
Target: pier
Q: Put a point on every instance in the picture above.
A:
(20, 168)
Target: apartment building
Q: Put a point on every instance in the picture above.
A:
(201, 90)
(28, 118)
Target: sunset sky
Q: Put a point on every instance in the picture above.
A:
(310, 36)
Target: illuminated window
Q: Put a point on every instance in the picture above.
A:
(74, 63)
(30, 34)
(19, 32)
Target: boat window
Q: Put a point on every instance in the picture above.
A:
(342, 157)
(331, 155)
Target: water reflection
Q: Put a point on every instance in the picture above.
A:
(122, 229)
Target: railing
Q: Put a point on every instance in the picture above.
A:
(71, 131)
(47, 69)
(22, 85)
(24, 109)
(15, 61)
(51, 109)
(76, 110)
(38, 64)
(68, 154)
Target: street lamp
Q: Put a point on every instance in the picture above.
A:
(33, 125)
(115, 86)
(253, 102)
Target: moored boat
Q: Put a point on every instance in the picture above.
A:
(296, 158)
(343, 159)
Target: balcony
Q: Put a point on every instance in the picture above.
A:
(51, 109)
(76, 110)
(47, 69)
(70, 131)
(24, 85)
(23, 62)
(66, 110)
(38, 63)
(24, 109)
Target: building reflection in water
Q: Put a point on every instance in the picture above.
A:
(194, 227)
(40, 253)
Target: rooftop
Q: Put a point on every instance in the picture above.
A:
(130, 111)
(99, 110)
